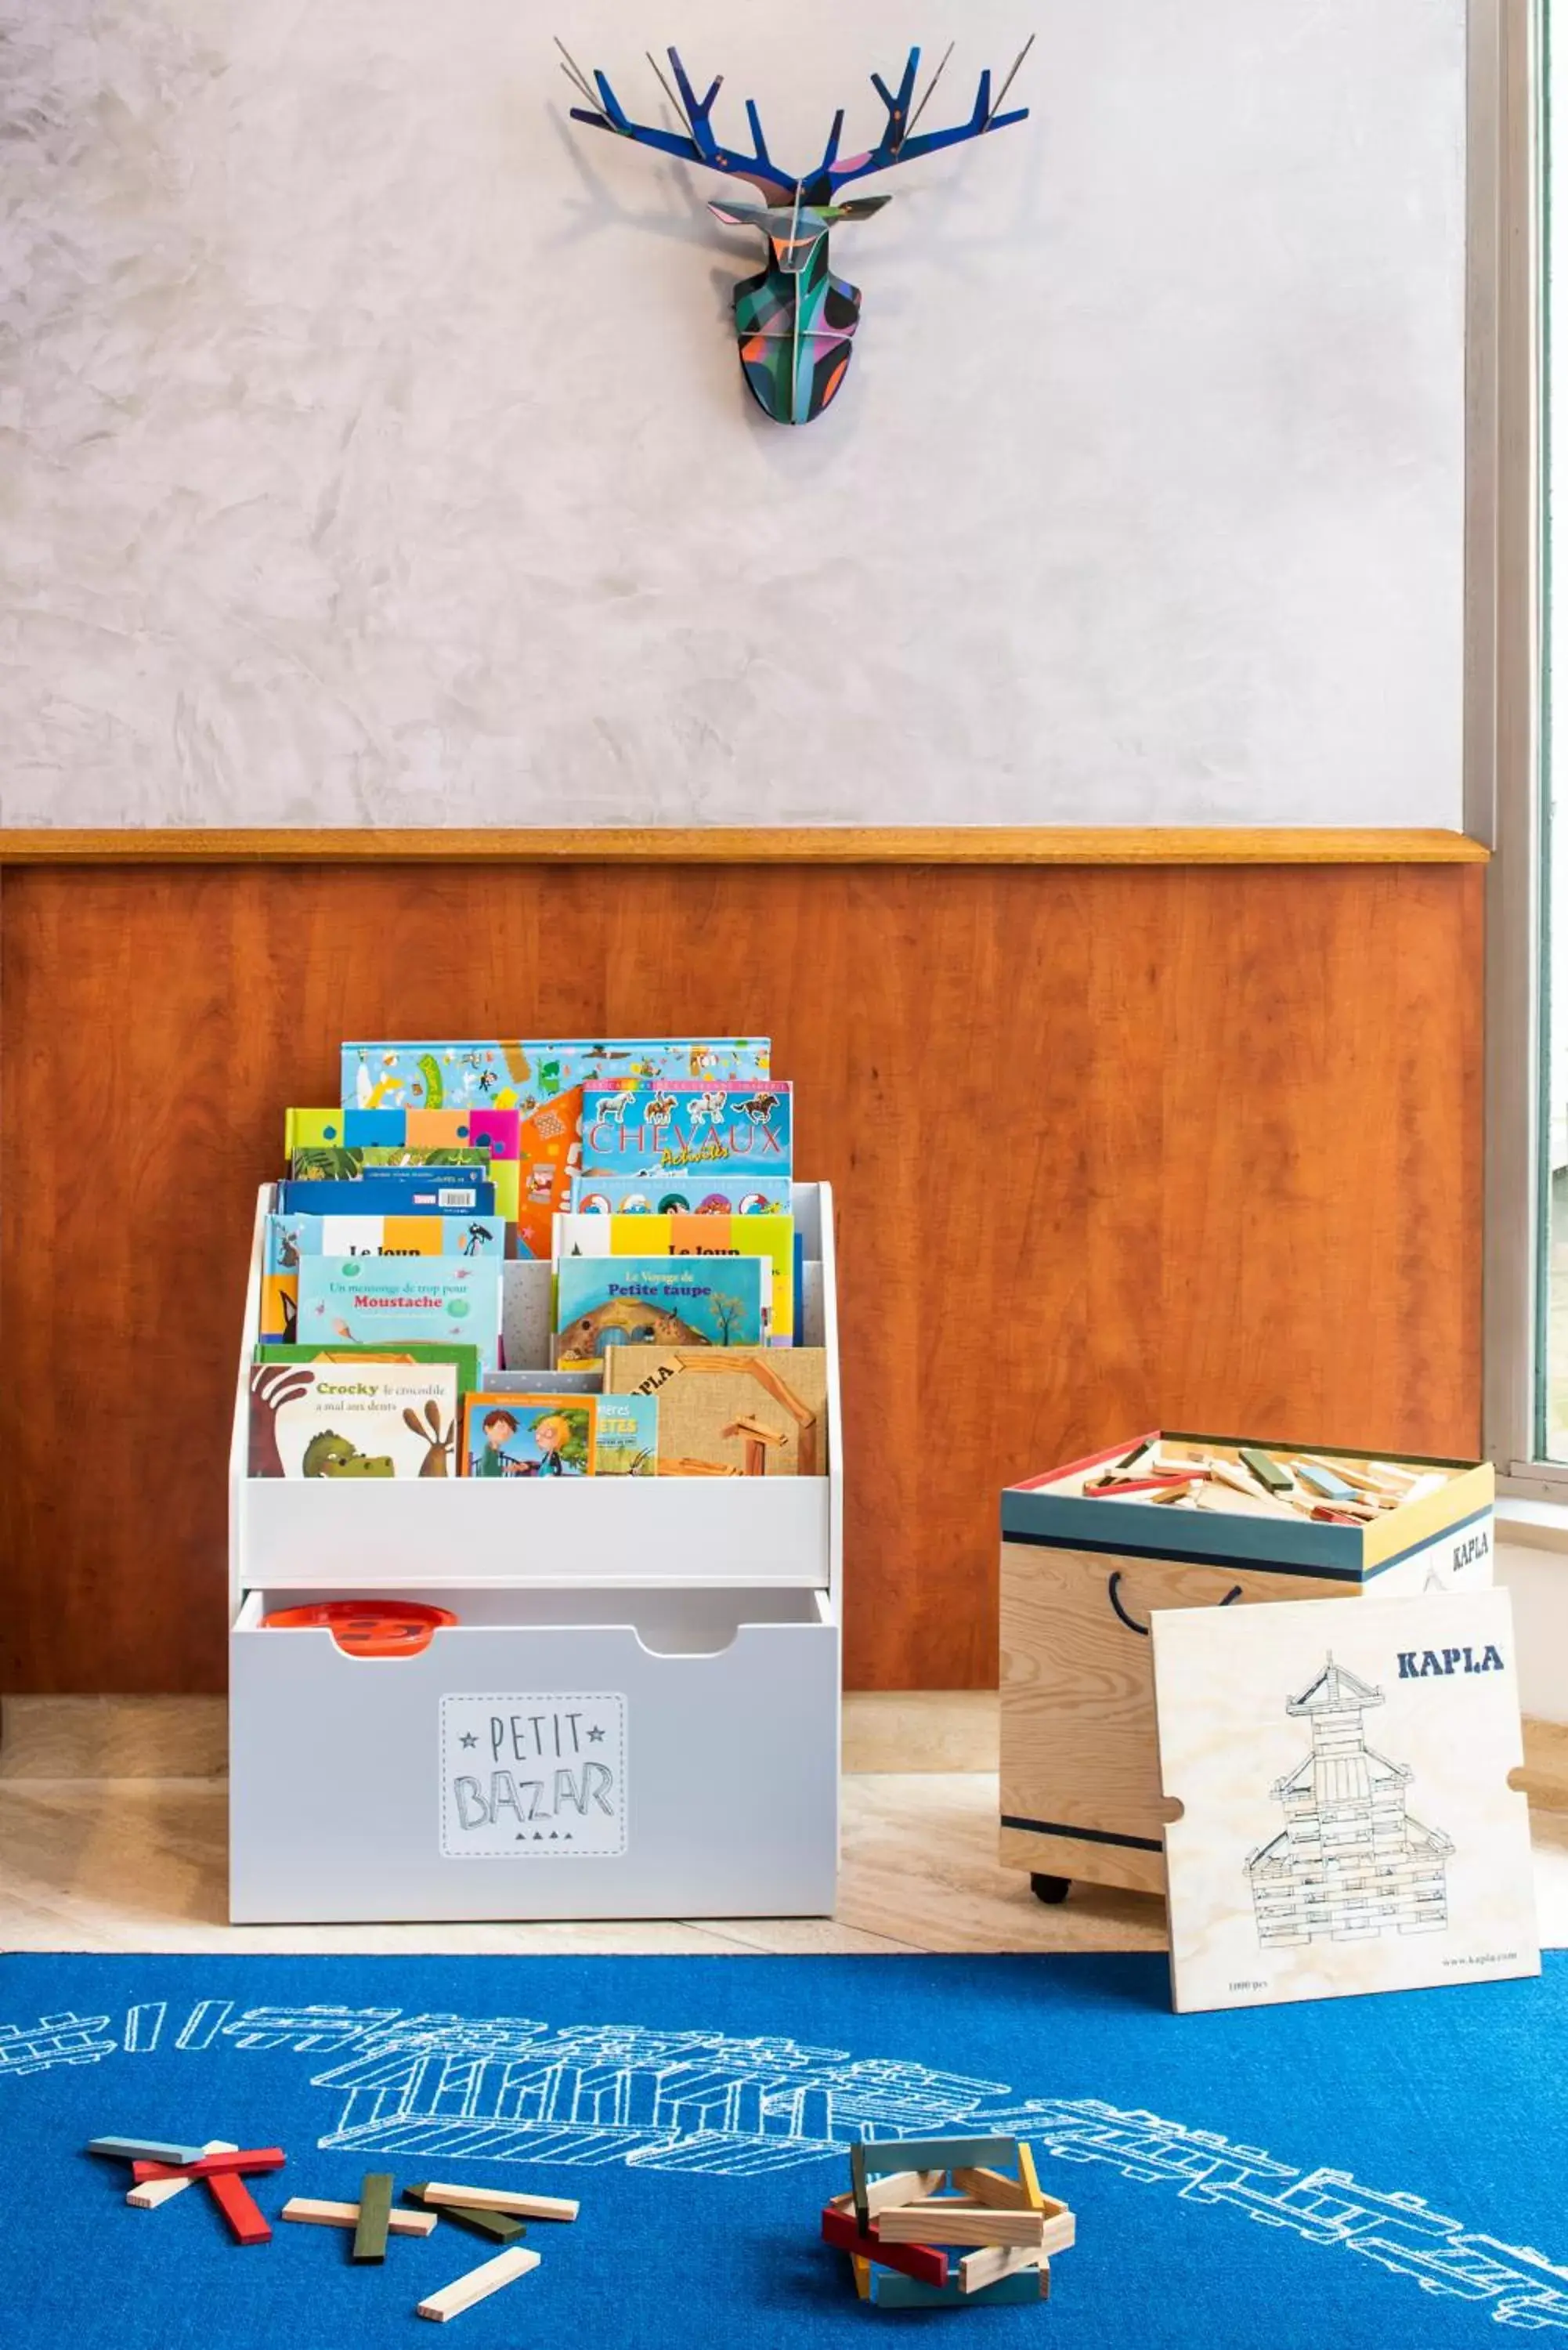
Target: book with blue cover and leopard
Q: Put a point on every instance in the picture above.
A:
(370, 1301)
(605, 1302)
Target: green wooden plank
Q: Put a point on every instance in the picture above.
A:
(375, 2209)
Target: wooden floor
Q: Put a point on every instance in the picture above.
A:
(95, 1856)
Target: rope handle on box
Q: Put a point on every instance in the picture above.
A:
(1131, 1621)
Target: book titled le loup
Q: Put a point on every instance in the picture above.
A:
(603, 1302)
(367, 1301)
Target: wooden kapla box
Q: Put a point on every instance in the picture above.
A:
(1081, 1574)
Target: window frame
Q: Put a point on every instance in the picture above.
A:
(1507, 719)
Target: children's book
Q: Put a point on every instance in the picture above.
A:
(626, 1440)
(493, 1131)
(464, 1360)
(750, 1412)
(364, 1419)
(288, 1238)
(696, 1194)
(371, 1300)
(549, 1151)
(343, 1162)
(603, 1303)
(655, 1130)
(497, 1073)
(771, 1237)
(531, 1434)
(394, 1191)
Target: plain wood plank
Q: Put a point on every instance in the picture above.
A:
(478, 2284)
(501, 2198)
(312, 2210)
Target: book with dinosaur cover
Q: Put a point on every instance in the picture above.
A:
(752, 1412)
(289, 1238)
(771, 1237)
(602, 1302)
(380, 1300)
(528, 1433)
(394, 1191)
(697, 1194)
(463, 1360)
(363, 1419)
(500, 1073)
(658, 1128)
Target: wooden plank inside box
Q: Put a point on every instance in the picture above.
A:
(1080, 1760)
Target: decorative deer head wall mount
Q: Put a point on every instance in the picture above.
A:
(794, 321)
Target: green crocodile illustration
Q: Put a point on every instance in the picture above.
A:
(328, 1455)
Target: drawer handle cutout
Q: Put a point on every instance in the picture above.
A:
(1114, 1595)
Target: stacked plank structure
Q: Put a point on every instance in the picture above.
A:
(914, 2202)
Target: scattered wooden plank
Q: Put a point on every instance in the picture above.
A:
(234, 2201)
(158, 2191)
(501, 2198)
(209, 2165)
(478, 2284)
(145, 2150)
(314, 2213)
(499, 2226)
(371, 2229)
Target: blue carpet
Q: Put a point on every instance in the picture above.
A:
(1363, 2172)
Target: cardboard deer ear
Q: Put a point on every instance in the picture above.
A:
(859, 207)
(733, 215)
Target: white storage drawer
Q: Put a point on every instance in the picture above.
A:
(559, 1755)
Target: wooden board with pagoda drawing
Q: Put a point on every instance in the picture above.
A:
(1347, 1821)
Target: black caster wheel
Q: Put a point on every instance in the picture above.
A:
(1050, 1888)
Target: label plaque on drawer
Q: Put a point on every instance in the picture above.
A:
(534, 1775)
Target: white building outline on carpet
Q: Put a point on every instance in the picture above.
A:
(704, 2101)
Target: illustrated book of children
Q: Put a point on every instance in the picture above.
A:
(657, 1128)
(706, 1236)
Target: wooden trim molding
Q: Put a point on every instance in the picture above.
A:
(806, 845)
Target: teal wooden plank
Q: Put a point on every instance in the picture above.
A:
(891, 2291)
(883, 2154)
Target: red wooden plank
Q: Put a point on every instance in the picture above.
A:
(234, 2201)
(264, 2158)
(922, 2261)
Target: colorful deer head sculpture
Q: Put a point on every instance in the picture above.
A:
(794, 321)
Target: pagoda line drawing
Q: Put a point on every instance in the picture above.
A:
(1350, 1861)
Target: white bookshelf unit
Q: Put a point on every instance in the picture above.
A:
(692, 1623)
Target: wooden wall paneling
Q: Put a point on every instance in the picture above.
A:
(1110, 1145)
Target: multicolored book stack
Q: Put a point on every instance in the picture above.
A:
(647, 1181)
